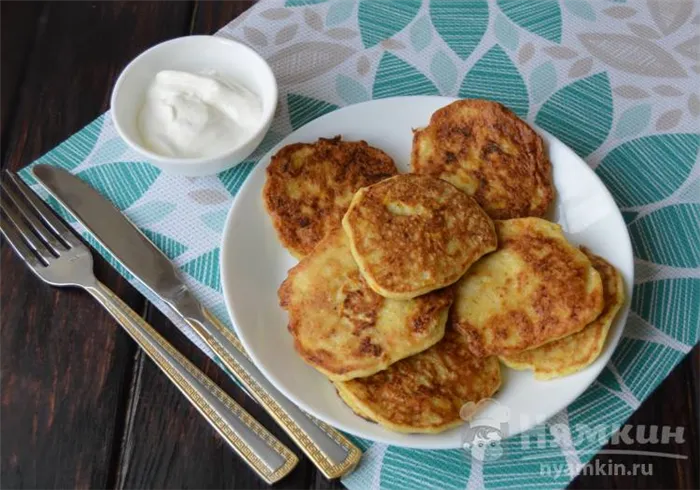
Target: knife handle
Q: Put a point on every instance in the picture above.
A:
(332, 453)
(251, 441)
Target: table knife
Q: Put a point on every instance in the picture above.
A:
(59, 258)
(332, 453)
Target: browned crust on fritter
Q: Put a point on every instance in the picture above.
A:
(412, 234)
(573, 353)
(560, 306)
(355, 320)
(310, 185)
(425, 392)
(487, 151)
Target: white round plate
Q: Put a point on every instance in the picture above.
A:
(254, 264)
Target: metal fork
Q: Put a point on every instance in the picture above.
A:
(55, 254)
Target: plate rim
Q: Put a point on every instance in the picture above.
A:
(263, 162)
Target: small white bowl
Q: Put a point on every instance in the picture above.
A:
(229, 59)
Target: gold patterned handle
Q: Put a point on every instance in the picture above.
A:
(332, 453)
(261, 450)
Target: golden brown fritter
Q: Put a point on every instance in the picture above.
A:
(309, 187)
(412, 234)
(573, 353)
(488, 152)
(343, 328)
(534, 289)
(424, 392)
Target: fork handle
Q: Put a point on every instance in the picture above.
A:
(260, 449)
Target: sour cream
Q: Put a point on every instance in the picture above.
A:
(186, 115)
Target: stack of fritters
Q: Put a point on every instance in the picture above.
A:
(575, 352)
(534, 289)
(342, 327)
(407, 293)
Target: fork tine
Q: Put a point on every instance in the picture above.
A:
(30, 238)
(17, 242)
(45, 213)
(38, 227)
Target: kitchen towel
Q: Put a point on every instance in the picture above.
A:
(616, 81)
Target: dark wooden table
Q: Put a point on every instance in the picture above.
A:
(81, 406)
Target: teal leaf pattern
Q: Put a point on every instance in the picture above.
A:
(662, 304)
(73, 151)
(627, 357)
(505, 471)
(233, 178)
(461, 27)
(349, 90)
(215, 220)
(205, 269)
(506, 33)
(668, 236)
(648, 169)
(421, 34)
(541, 17)
(123, 183)
(395, 77)
(607, 378)
(305, 109)
(339, 12)
(596, 413)
(543, 81)
(381, 20)
(109, 151)
(438, 469)
(495, 77)
(580, 114)
(150, 212)
(580, 8)
(169, 246)
(633, 121)
(444, 72)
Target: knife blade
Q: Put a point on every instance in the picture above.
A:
(332, 453)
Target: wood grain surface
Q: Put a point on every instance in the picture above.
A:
(81, 407)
